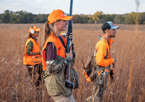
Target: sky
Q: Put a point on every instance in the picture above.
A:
(79, 6)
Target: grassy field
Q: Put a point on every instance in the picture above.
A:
(128, 48)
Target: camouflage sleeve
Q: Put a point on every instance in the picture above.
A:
(55, 64)
(29, 47)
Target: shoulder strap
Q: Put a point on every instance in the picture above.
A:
(61, 39)
(100, 38)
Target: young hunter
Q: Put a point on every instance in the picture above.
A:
(32, 55)
(103, 61)
(55, 59)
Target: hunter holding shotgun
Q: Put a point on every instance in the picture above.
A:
(103, 60)
(55, 59)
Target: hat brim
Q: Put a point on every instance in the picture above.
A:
(114, 27)
(66, 18)
(38, 29)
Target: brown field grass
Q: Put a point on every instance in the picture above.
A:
(128, 48)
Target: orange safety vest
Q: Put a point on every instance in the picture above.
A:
(103, 55)
(59, 46)
(32, 59)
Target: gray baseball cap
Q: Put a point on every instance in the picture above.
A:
(109, 25)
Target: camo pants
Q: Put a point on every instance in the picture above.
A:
(33, 69)
(98, 90)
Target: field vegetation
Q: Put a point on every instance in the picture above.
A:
(128, 48)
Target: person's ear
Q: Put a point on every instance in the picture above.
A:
(106, 31)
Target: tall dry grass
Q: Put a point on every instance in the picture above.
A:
(128, 48)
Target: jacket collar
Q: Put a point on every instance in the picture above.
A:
(34, 38)
(110, 40)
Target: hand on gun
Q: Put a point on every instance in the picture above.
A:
(71, 36)
(69, 54)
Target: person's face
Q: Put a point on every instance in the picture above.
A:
(61, 25)
(112, 32)
(36, 34)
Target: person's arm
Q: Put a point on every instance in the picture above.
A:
(53, 64)
(30, 48)
(101, 53)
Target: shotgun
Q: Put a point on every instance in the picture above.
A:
(68, 82)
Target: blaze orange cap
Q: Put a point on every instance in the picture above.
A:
(34, 28)
(57, 15)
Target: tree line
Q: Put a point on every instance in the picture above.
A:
(98, 17)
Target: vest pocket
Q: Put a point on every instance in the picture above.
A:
(36, 59)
